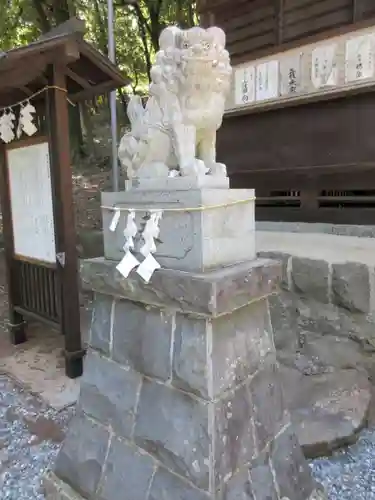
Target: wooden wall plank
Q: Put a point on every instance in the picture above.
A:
(291, 20)
(312, 25)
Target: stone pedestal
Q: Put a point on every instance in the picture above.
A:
(181, 397)
(221, 234)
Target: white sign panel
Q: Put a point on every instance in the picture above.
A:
(244, 85)
(359, 58)
(267, 81)
(324, 71)
(291, 75)
(31, 202)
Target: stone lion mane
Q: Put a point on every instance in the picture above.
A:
(177, 128)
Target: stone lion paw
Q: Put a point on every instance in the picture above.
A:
(195, 169)
(218, 170)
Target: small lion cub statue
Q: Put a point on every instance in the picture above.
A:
(175, 134)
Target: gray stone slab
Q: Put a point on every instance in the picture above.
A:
(240, 342)
(351, 286)
(82, 456)
(109, 393)
(210, 294)
(284, 319)
(238, 487)
(234, 443)
(100, 331)
(317, 317)
(142, 338)
(127, 475)
(189, 240)
(262, 480)
(310, 277)
(173, 427)
(293, 475)
(284, 259)
(56, 489)
(327, 410)
(270, 413)
(167, 486)
(190, 366)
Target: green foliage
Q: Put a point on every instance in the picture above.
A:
(138, 24)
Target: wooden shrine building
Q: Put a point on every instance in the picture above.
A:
(300, 121)
(38, 85)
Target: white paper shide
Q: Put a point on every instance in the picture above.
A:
(25, 124)
(146, 267)
(359, 58)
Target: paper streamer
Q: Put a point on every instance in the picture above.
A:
(127, 264)
(130, 231)
(7, 126)
(25, 123)
(115, 220)
(147, 268)
(151, 232)
(26, 119)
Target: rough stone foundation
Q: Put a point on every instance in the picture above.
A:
(181, 396)
(324, 330)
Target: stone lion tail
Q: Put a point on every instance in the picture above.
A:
(136, 114)
(129, 144)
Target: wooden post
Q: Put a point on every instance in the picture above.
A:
(67, 259)
(16, 321)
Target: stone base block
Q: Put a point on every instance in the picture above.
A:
(189, 241)
(178, 405)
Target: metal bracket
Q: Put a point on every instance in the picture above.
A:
(60, 257)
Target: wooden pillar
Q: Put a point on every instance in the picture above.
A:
(17, 324)
(62, 187)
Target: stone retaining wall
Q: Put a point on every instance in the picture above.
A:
(324, 330)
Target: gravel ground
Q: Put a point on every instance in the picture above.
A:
(350, 473)
(31, 434)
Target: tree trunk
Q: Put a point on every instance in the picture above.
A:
(88, 127)
(41, 16)
(102, 38)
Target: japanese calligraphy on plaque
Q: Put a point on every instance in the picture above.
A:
(359, 58)
(267, 81)
(245, 85)
(324, 70)
(290, 75)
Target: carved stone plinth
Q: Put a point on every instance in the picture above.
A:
(181, 397)
(220, 234)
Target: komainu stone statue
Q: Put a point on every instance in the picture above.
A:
(176, 131)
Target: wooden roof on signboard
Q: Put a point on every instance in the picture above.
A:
(88, 71)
